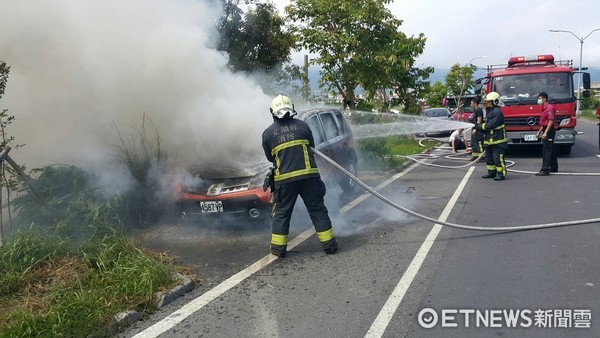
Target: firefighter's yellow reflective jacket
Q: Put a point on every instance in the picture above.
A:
(493, 127)
(286, 144)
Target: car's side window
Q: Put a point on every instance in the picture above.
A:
(330, 127)
(313, 124)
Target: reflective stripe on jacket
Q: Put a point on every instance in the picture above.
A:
(286, 144)
(308, 169)
(493, 128)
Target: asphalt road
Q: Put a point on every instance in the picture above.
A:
(393, 270)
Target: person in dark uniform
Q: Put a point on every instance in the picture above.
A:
(547, 134)
(494, 138)
(287, 144)
(476, 136)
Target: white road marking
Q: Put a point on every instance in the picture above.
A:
(187, 310)
(176, 317)
(391, 305)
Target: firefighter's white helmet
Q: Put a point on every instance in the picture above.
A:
(494, 97)
(282, 106)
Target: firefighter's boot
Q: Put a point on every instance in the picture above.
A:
(490, 174)
(278, 250)
(499, 177)
(331, 246)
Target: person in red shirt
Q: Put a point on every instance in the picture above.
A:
(547, 133)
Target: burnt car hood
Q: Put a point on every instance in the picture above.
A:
(216, 180)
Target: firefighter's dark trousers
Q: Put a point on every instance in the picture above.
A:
(477, 144)
(312, 191)
(550, 161)
(494, 159)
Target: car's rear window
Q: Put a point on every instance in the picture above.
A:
(331, 130)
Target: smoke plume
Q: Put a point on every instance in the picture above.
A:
(80, 67)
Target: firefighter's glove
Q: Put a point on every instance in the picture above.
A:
(269, 181)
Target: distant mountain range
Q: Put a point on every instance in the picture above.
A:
(438, 75)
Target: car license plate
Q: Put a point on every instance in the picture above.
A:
(530, 137)
(212, 206)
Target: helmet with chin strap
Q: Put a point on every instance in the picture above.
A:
(282, 107)
(494, 97)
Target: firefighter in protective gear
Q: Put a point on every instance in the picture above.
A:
(494, 138)
(476, 137)
(287, 144)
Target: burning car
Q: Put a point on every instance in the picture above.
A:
(238, 191)
(227, 191)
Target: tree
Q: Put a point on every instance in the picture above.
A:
(357, 43)
(258, 42)
(458, 81)
(8, 177)
(436, 94)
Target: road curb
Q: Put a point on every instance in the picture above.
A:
(126, 318)
(186, 285)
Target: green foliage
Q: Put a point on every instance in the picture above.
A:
(257, 41)
(9, 179)
(66, 202)
(365, 117)
(364, 105)
(384, 153)
(591, 102)
(147, 160)
(589, 113)
(356, 43)
(459, 81)
(436, 94)
(57, 287)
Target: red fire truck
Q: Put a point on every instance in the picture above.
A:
(519, 82)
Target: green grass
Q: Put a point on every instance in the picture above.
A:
(55, 287)
(588, 114)
(378, 153)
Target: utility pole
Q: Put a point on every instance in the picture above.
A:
(305, 85)
(578, 112)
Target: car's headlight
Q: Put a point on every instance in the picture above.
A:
(565, 122)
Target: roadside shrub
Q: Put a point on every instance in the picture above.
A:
(64, 199)
(147, 160)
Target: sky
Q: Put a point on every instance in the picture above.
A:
(459, 31)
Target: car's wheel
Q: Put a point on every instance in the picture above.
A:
(347, 184)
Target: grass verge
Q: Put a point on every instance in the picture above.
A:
(56, 287)
(377, 153)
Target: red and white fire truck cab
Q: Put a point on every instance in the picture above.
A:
(519, 82)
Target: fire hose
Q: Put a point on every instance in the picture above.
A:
(417, 158)
(449, 224)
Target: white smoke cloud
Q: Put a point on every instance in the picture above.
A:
(77, 67)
